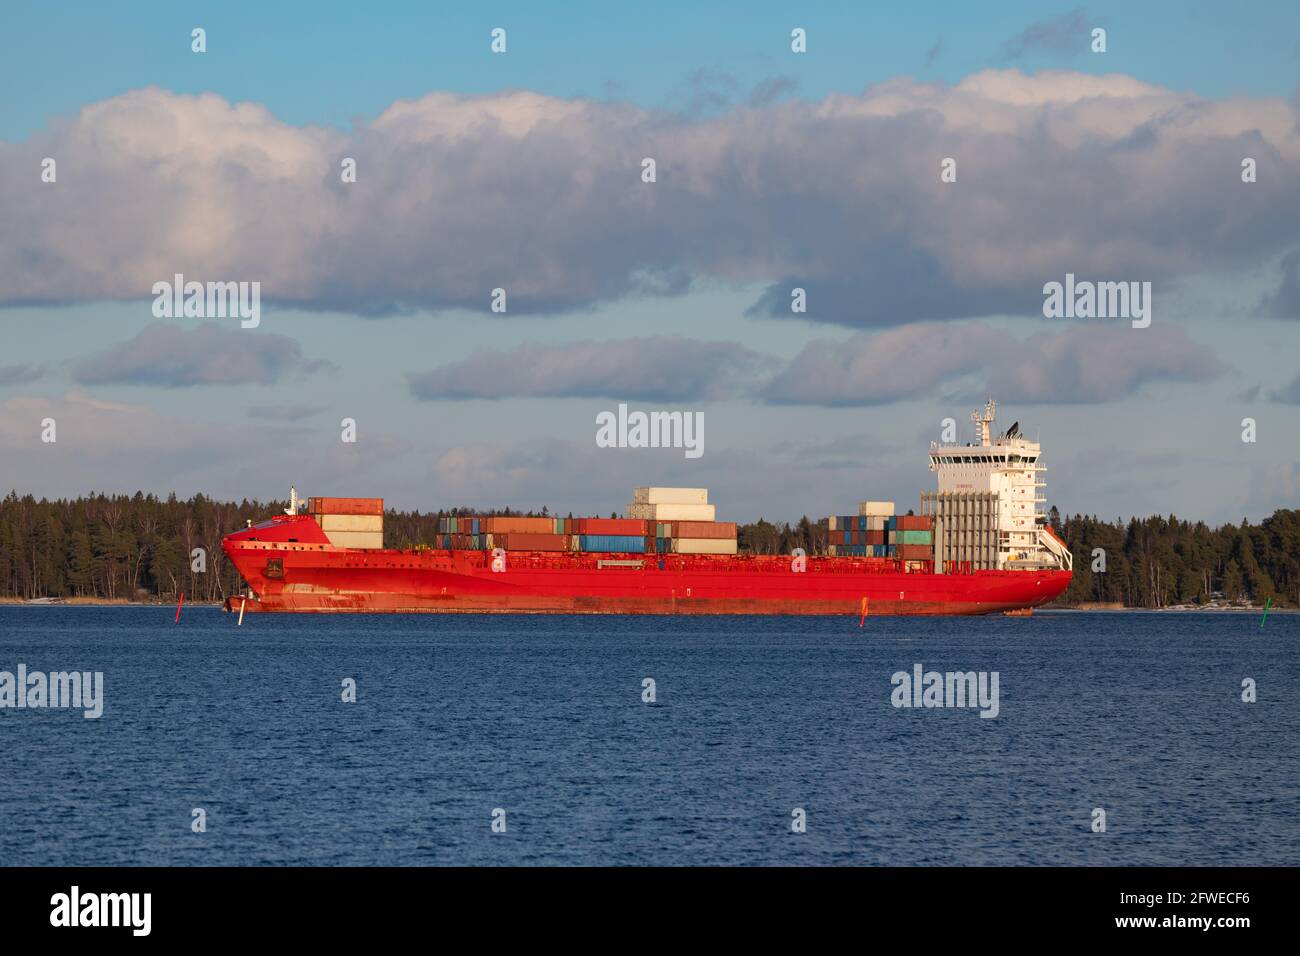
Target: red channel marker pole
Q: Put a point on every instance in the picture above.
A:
(178, 607)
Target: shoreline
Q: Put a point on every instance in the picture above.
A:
(97, 602)
(1180, 609)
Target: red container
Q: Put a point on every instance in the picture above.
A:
(705, 529)
(875, 537)
(915, 552)
(517, 541)
(613, 526)
(915, 523)
(345, 506)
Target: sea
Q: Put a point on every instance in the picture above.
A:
(1141, 738)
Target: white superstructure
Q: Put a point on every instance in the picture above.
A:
(1008, 468)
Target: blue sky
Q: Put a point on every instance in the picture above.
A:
(332, 63)
(1133, 178)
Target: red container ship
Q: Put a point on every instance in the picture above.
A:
(981, 547)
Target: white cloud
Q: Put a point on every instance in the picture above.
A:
(1103, 176)
(1076, 364)
(173, 356)
(661, 368)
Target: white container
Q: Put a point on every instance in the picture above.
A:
(832, 521)
(704, 545)
(876, 522)
(330, 523)
(671, 496)
(672, 512)
(876, 508)
(356, 539)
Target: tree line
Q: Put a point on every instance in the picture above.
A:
(144, 547)
(1156, 562)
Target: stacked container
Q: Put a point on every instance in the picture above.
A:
(914, 537)
(350, 522)
(681, 521)
(660, 520)
(875, 531)
(517, 533)
(671, 504)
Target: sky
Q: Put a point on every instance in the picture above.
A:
(774, 170)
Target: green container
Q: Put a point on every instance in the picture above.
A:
(914, 537)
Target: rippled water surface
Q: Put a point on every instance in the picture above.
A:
(1138, 714)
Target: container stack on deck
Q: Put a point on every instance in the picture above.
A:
(485, 532)
(654, 524)
(876, 532)
(350, 522)
(913, 536)
(681, 521)
(864, 534)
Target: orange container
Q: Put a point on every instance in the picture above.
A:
(914, 523)
(705, 529)
(345, 506)
(516, 541)
(501, 524)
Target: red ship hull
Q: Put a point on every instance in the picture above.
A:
(300, 574)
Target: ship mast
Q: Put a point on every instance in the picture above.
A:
(982, 422)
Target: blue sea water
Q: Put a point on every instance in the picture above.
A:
(1136, 713)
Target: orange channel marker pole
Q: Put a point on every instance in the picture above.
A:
(863, 619)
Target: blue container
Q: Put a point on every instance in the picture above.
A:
(661, 545)
(852, 550)
(612, 542)
(474, 528)
(891, 523)
(879, 551)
